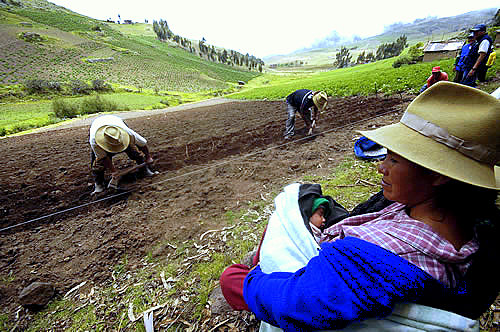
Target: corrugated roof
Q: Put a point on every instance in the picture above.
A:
(443, 46)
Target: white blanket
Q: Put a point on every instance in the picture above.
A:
(288, 246)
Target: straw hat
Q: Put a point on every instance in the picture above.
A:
(112, 138)
(451, 129)
(320, 99)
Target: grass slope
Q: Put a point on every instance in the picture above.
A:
(368, 79)
(135, 57)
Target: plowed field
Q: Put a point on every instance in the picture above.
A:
(211, 160)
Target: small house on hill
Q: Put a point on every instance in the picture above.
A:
(497, 39)
(441, 50)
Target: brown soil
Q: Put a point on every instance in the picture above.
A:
(211, 160)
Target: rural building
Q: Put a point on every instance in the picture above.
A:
(497, 39)
(435, 50)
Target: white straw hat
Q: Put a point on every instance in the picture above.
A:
(320, 99)
(112, 138)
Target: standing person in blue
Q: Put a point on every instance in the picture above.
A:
(461, 58)
(475, 65)
(308, 103)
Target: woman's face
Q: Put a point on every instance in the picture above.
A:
(317, 218)
(404, 181)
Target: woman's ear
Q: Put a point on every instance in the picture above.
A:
(440, 179)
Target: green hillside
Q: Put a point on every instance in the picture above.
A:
(45, 41)
(53, 58)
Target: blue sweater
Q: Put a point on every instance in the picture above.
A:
(463, 56)
(350, 280)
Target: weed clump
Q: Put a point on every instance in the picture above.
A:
(80, 88)
(64, 109)
(75, 87)
(38, 86)
(31, 37)
(101, 86)
(96, 104)
(415, 54)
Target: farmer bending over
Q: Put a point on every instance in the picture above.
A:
(308, 103)
(109, 135)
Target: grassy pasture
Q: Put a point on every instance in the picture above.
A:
(16, 117)
(378, 77)
(365, 79)
(136, 29)
(136, 60)
(22, 116)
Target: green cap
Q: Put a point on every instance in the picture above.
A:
(321, 201)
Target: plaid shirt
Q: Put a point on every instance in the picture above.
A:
(413, 240)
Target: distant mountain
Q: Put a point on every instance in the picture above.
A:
(429, 27)
(423, 29)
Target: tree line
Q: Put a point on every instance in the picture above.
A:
(384, 51)
(209, 52)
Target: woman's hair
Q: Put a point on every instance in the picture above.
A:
(478, 207)
(468, 201)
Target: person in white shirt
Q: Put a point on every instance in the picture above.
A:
(478, 56)
(109, 135)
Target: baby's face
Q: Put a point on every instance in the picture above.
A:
(317, 219)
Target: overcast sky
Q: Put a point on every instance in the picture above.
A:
(267, 27)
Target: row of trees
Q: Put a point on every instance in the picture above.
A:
(162, 30)
(393, 49)
(232, 57)
(384, 51)
(209, 52)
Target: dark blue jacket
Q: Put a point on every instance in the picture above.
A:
(460, 66)
(350, 280)
(301, 99)
(474, 53)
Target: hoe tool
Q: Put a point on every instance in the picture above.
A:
(117, 176)
(313, 125)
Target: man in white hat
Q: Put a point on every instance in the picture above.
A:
(308, 103)
(109, 135)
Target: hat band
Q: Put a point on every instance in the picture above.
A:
(113, 142)
(470, 149)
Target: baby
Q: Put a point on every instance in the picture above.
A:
(320, 211)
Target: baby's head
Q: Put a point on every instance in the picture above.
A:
(320, 210)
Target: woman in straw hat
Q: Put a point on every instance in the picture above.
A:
(308, 103)
(109, 135)
(426, 259)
